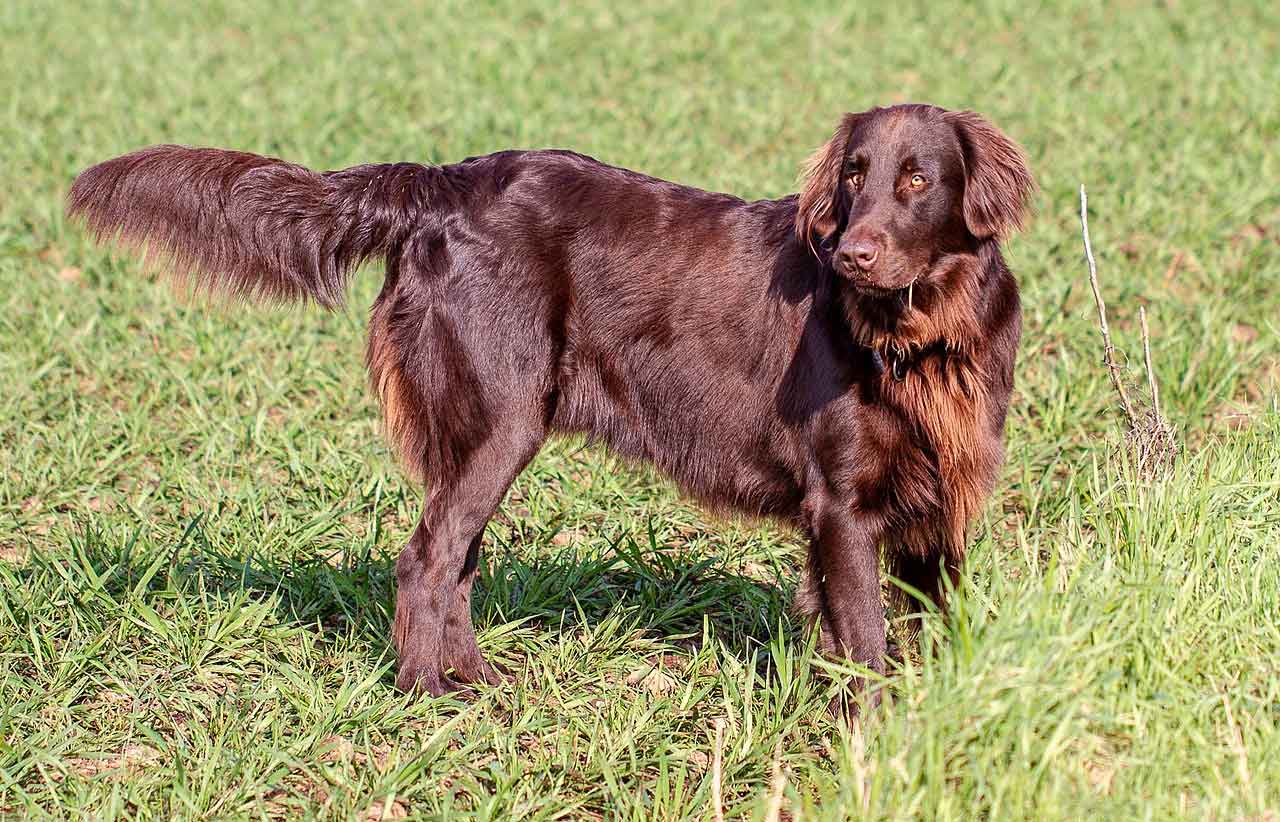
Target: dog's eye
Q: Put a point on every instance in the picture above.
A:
(856, 179)
(918, 181)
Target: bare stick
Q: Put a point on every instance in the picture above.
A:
(717, 769)
(778, 786)
(1238, 746)
(1108, 350)
(1151, 374)
(1174, 266)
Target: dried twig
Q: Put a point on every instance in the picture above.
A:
(717, 772)
(1174, 266)
(1151, 374)
(1150, 439)
(1237, 745)
(1154, 440)
(778, 786)
(1108, 350)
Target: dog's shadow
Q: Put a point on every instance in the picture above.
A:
(666, 594)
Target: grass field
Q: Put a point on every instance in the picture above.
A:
(198, 515)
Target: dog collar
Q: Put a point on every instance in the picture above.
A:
(900, 362)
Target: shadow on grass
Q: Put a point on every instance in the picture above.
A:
(665, 593)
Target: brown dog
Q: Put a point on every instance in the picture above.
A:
(841, 359)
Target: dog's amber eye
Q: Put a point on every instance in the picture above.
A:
(856, 179)
(918, 181)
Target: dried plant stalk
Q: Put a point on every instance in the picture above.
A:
(717, 773)
(1108, 350)
(1153, 440)
(1146, 358)
(1150, 439)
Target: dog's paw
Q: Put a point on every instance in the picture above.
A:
(855, 704)
(479, 672)
(428, 681)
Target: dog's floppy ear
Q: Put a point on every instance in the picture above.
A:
(998, 186)
(818, 212)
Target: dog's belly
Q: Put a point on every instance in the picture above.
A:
(708, 437)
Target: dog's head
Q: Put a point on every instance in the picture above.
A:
(896, 188)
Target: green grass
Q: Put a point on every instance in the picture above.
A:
(198, 516)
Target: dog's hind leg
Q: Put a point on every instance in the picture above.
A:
(435, 571)
(418, 630)
(465, 373)
(461, 651)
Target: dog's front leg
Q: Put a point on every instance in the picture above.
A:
(844, 568)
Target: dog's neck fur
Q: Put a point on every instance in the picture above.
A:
(946, 396)
(944, 311)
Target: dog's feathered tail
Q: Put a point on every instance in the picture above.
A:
(252, 226)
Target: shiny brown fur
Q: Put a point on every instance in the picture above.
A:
(841, 360)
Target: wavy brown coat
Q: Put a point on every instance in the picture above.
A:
(841, 360)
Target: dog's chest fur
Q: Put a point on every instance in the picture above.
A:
(929, 454)
(945, 408)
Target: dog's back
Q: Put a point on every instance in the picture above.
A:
(535, 284)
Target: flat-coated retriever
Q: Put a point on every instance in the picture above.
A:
(841, 359)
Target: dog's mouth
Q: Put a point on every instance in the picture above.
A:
(905, 294)
(878, 291)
